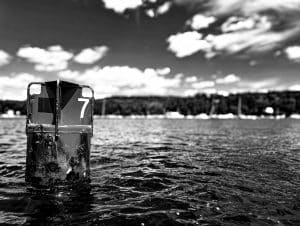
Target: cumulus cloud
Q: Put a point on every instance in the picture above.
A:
(203, 84)
(252, 26)
(54, 58)
(160, 10)
(200, 21)
(188, 43)
(150, 12)
(152, 8)
(293, 53)
(191, 79)
(15, 87)
(163, 8)
(5, 58)
(119, 6)
(163, 71)
(232, 78)
(124, 80)
(91, 55)
(295, 87)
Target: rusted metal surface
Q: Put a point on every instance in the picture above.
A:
(58, 135)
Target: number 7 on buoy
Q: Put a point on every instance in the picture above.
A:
(85, 104)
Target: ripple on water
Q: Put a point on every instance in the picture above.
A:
(165, 172)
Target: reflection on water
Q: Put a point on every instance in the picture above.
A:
(37, 207)
(165, 172)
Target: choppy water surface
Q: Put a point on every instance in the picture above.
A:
(166, 172)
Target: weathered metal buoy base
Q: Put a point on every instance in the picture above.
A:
(56, 161)
(58, 144)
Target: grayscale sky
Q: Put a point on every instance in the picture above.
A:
(151, 47)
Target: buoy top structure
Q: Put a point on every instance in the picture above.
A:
(59, 127)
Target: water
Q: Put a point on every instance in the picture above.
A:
(166, 172)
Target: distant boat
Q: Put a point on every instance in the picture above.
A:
(269, 110)
(202, 116)
(224, 116)
(250, 117)
(154, 116)
(11, 114)
(174, 115)
(295, 116)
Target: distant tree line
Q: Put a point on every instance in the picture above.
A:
(286, 103)
(6, 105)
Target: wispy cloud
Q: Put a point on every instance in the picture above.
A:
(246, 41)
(5, 58)
(91, 55)
(235, 23)
(248, 7)
(124, 80)
(252, 26)
(54, 58)
(208, 91)
(258, 85)
(258, 39)
(232, 84)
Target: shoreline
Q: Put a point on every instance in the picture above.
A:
(198, 117)
(187, 117)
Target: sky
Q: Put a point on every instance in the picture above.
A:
(151, 47)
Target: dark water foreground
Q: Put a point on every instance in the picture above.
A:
(166, 172)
